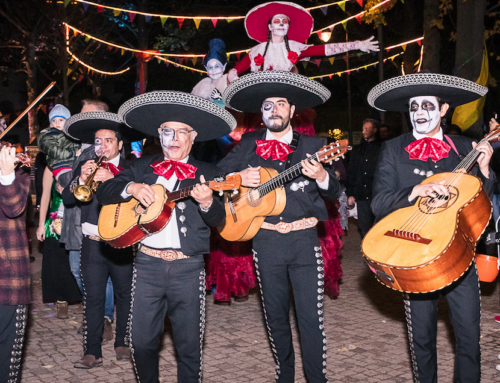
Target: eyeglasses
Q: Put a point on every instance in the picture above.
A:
(169, 132)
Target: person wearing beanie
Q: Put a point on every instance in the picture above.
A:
(60, 149)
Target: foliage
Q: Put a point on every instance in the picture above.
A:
(376, 16)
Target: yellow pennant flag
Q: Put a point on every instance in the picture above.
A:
(228, 56)
(342, 5)
(339, 74)
(197, 23)
(163, 19)
(116, 12)
(69, 71)
(87, 38)
(331, 59)
(123, 51)
(404, 47)
(466, 115)
(194, 59)
(229, 20)
(344, 24)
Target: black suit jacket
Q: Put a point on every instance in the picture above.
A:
(197, 238)
(395, 175)
(302, 203)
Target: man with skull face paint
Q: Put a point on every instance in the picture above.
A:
(280, 28)
(404, 162)
(169, 275)
(286, 249)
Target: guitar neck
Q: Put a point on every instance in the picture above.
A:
(184, 192)
(468, 162)
(282, 178)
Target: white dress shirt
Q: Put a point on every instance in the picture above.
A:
(287, 139)
(438, 135)
(89, 228)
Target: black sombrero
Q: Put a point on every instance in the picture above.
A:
(149, 110)
(83, 126)
(394, 94)
(247, 93)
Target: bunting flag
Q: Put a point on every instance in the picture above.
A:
(122, 52)
(344, 24)
(116, 12)
(331, 59)
(147, 18)
(342, 5)
(66, 2)
(100, 9)
(229, 20)
(419, 42)
(228, 55)
(330, 76)
(163, 19)
(318, 62)
(346, 59)
(348, 72)
(132, 16)
(87, 38)
(339, 74)
(193, 60)
(197, 23)
(358, 17)
(167, 63)
(404, 47)
(80, 78)
(180, 21)
(44, 108)
(238, 56)
(319, 34)
(85, 5)
(214, 22)
(159, 60)
(304, 64)
(68, 72)
(360, 2)
(324, 10)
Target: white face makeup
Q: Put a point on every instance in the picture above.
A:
(215, 69)
(279, 25)
(276, 114)
(425, 114)
(176, 139)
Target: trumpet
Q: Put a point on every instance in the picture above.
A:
(86, 191)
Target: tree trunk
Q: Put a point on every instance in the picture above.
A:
(30, 50)
(65, 66)
(142, 61)
(432, 37)
(469, 48)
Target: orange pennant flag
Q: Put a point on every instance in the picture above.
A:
(197, 23)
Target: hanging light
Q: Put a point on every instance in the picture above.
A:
(325, 36)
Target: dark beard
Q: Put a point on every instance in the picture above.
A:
(275, 126)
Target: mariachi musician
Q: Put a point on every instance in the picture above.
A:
(286, 248)
(404, 162)
(99, 260)
(169, 276)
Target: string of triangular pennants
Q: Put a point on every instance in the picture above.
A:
(197, 19)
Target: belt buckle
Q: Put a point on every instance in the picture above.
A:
(166, 255)
(283, 227)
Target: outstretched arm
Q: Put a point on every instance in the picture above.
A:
(337, 48)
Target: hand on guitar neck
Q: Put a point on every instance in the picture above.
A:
(484, 160)
(202, 194)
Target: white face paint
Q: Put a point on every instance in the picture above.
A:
(215, 69)
(98, 147)
(276, 113)
(279, 25)
(424, 113)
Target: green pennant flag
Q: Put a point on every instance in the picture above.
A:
(304, 64)
(344, 24)
(87, 38)
(66, 2)
(229, 20)
(342, 5)
(331, 59)
(163, 19)
(184, 68)
(159, 60)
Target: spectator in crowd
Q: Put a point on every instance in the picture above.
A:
(385, 133)
(3, 123)
(363, 160)
(453, 130)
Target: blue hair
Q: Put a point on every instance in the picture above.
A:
(216, 50)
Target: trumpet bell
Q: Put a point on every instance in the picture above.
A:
(83, 193)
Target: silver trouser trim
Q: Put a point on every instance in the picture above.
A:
(406, 298)
(17, 348)
(129, 323)
(203, 294)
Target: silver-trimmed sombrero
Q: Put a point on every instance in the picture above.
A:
(149, 110)
(82, 126)
(394, 94)
(247, 93)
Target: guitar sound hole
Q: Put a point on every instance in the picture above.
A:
(253, 198)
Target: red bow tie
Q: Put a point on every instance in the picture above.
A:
(428, 147)
(277, 149)
(167, 168)
(112, 168)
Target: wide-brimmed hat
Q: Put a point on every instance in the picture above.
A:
(83, 126)
(301, 22)
(394, 94)
(149, 110)
(247, 93)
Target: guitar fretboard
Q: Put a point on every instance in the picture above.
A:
(282, 178)
(183, 193)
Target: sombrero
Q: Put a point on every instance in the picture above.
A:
(301, 22)
(149, 110)
(83, 126)
(247, 93)
(394, 94)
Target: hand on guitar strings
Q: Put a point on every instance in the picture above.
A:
(7, 160)
(202, 194)
(313, 169)
(432, 189)
(250, 177)
(484, 159)
(143, 193)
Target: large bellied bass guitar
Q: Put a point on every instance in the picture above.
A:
(247, 210)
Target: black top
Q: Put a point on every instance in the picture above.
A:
(395, 175)
(300, 203)
(363, 160)
(197, 238)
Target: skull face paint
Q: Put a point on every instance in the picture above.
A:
(425, 114)
(98, 147)
(276, 113)
(215, 69)
(279, 25)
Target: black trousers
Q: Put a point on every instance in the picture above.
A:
(463, 298)
(281, 259)
(365, 216)
(98, 262)
(12, 330)
(173, 288)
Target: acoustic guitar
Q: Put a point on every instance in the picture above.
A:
(247, 210)
(427, 246)
(126, 223)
